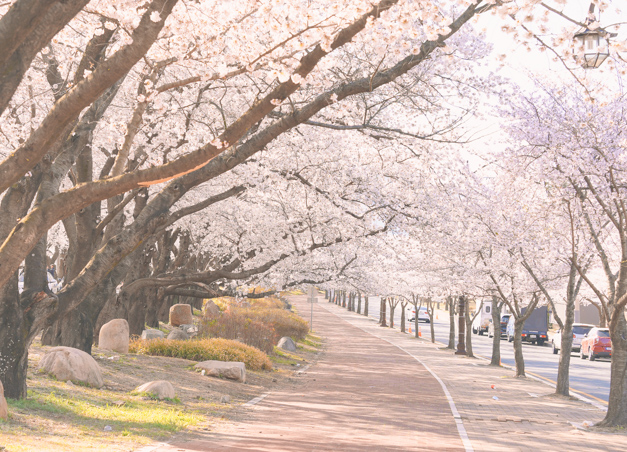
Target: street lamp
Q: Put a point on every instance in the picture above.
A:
(592, 44)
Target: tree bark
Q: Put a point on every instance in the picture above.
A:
(403, 306)
(14, 344)
(392, 309)
(382, 313)
(451, 317)
(518, 353)
(359, 303)
(468, 320)
(366, 305)
(496, 339)
(430, 309)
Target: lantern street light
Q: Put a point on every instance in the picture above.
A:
(592, 44)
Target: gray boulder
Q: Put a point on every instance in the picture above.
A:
(67, 363)
(152, 334)
(114, 335)
(161, 389)
(190, 329)
(286, 343)
(4, 409)
(232, 370)
(178, 335)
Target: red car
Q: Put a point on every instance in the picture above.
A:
(596, 343)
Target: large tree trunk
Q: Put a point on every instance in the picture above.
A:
(518, 353)
(13, 341)
(359, 303)
(451, 317)
(20, 319)
(468, 320)
(496, 339)
(566, 346)
(431, 324)
(617, 407)
(383, 314)
(403, 306)
(152, 316)
(366, 305)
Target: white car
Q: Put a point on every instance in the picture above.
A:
(579, 331)
(423, 315)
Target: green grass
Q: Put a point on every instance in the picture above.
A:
(282, 357)
(91, 410)
(153, 396)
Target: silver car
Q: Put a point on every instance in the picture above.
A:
(579, 331)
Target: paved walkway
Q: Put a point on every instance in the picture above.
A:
(373, 390)
(518, 415)
(362, 395)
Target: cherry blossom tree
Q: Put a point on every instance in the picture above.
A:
(579, 144)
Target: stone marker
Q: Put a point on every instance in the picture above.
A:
(181, 314)
(211, 309)
(67, 363)
(161, 389)
(178, 335)
(114, 335)
(152, 334)
(286, 343)
(4, 409)
(232, 370)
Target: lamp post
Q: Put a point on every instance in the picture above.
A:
(591, 43)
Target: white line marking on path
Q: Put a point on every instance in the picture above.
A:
(256, 400)
(458, 420)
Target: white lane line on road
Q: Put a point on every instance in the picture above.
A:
(458, 420)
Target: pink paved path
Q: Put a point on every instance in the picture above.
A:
(362, 395)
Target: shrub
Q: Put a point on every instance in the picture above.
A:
(285, 323)
(267, 302)
(237, 324)
(203, 350)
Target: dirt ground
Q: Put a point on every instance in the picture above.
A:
(57, 414)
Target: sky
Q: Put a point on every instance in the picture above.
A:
(523, 64)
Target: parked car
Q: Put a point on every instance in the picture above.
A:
(504, 322)
(596, 343)
(579, 331)
(535, 328)
(423, 315)
(481, 322)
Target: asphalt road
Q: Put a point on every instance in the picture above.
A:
(591, 379)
